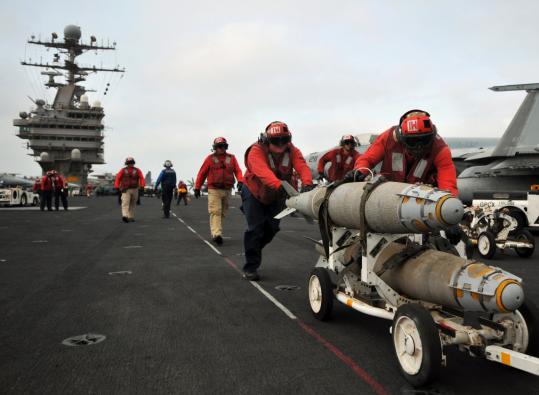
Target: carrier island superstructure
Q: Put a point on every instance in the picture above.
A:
(66, 135)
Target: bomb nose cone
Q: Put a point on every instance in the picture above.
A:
(509, 295)
(452, 211)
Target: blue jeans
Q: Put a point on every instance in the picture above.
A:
(261, 227)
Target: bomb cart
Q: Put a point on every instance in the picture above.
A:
(490, 228)
(377, 256)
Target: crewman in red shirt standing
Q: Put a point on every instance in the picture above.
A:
(219, 168)
(342, 159)
(269, 161)
(46, 191)
(60, 190)
(128, 180)
(410, 152)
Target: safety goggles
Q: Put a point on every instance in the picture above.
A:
(221, 145)
(418, 141)
(279, 141)
(352, 142)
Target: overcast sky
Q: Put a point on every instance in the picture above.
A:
(198, 70)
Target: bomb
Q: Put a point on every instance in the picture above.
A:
(389, 207)
(449, 280)
(429, 275)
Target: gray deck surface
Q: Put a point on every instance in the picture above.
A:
(184, 321)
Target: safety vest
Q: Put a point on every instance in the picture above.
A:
(130, 179)
(280, 165)
(221, 172)
(58, 182)
(340, 167)
(396, 168)
(46, 183)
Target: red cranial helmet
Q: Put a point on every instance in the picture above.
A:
(129, 160)
(416, 131)
(220, 142)
(348, 139)
(277, 133)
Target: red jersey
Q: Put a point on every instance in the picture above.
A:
(129, 177)
(220, 171)
(435, 168)
(265, 170)
(342, 161)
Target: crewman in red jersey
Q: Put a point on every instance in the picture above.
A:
(269, 161)
(128, 180)
(219, 168)
(60, 190)
(342, 159)
(411, 152)
(182, 193)
(46, 186)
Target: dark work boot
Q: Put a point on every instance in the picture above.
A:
(251, 276)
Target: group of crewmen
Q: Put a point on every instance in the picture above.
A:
(410, 151)
(52, 184)
(130, 180)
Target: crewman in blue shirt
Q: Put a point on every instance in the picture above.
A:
(167, 179)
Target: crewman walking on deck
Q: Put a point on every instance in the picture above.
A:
(411, 152)
(182, 193)
(342, 159)
(269, 161)
(46, 191)
(128, 180)
(60, 190)
(167, 179)
(220, 168)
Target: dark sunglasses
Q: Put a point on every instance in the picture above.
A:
(221, 145)
(350, 142)
(279, 141)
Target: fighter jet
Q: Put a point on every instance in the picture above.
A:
(512, 166)
(12, 179)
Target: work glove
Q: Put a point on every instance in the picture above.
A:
(321, 177)
(239, 186)
(354, 176)
(454, 234)
(197, 193)
(307, 188)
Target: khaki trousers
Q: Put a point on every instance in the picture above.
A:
(129, 200)
(217, 207)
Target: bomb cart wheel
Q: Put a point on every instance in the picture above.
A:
(486, 244)
(525, 328)
(417, 344)
(321, 293)
(24, 201)
(530, 313)
(525, 236)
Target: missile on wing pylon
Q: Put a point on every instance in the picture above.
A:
(390, 207)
